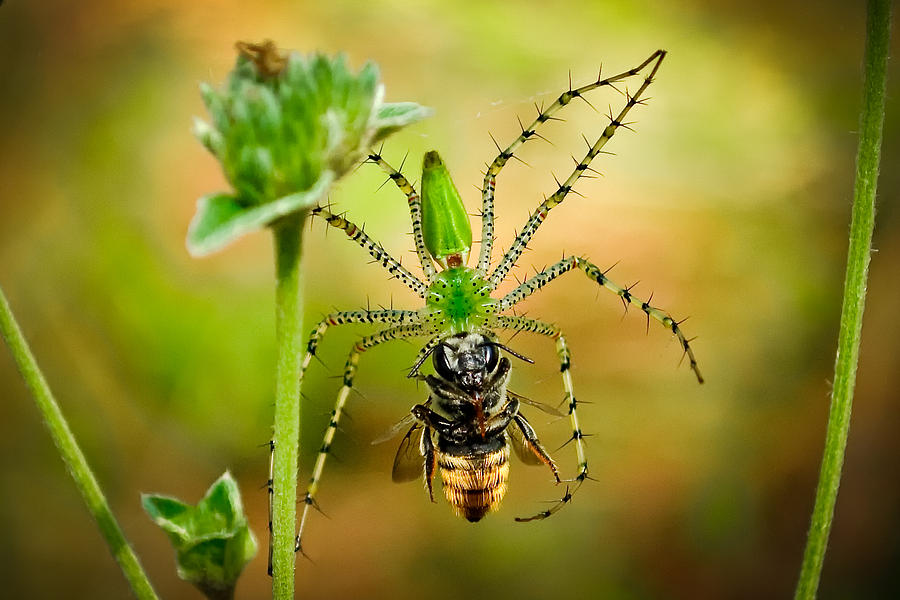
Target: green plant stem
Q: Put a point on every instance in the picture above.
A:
(72, 455)
(288, 334)
(861, 226)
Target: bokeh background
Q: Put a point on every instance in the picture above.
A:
(730, 203)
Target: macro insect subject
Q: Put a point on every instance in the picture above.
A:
(470, 420)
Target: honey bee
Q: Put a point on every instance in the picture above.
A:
(466, 427)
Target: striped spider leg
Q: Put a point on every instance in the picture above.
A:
(415, 211)
(562, 350)
(392, 333)
(594, 273)
(490, 176)
(392, 317)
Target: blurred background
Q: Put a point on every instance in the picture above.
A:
(730, 202)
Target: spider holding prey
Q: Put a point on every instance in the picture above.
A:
(465, 428)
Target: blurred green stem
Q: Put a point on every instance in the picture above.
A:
(861, 225)
(72, 455)
(288, 332)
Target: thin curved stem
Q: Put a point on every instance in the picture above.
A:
(71, 454)
(861, 226)
(288, 334)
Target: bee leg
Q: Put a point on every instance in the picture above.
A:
(429, 418)
(531, 440)
(430, 460)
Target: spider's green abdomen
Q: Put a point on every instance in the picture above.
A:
(459, 300)
(445, 223)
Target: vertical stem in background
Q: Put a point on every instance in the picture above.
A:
(288, 334)
(861, 225)
(72, 455)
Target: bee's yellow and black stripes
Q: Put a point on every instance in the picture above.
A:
(490, 176)
(474, 484)
(541, 279)
(537, 217)
(377, 252)
(415, 211)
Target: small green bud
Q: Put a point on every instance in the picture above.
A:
(212, 540)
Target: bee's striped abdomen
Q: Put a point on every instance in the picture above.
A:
(475, 483)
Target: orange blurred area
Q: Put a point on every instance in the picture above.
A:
(729, 202)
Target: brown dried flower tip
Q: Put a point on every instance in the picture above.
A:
(269, 60)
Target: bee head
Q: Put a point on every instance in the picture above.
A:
(466, 359)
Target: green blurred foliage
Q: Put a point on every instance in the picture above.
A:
(730, 202)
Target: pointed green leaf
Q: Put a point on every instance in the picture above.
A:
(222, 218)
(392, 116)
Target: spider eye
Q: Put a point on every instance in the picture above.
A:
(491, 357)
(442, 363)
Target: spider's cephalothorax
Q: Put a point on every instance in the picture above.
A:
(470, 418)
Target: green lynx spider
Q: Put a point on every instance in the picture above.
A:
(459, 298)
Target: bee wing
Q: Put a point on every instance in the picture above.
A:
(408, 463)
(395, 429)
(521, 447)
(538, 405)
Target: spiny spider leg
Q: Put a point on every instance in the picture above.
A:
(380, 255)
(415, 211)
(538, 281)
(387, 335)
(537, 217)
(562, 350)
(332, 320)
(490, 177)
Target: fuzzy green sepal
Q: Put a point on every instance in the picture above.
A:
(212, 540)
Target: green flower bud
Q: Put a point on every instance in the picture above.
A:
(212, 540)
(285, 127)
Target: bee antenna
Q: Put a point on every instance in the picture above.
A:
(414, 372)
(514, 353)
